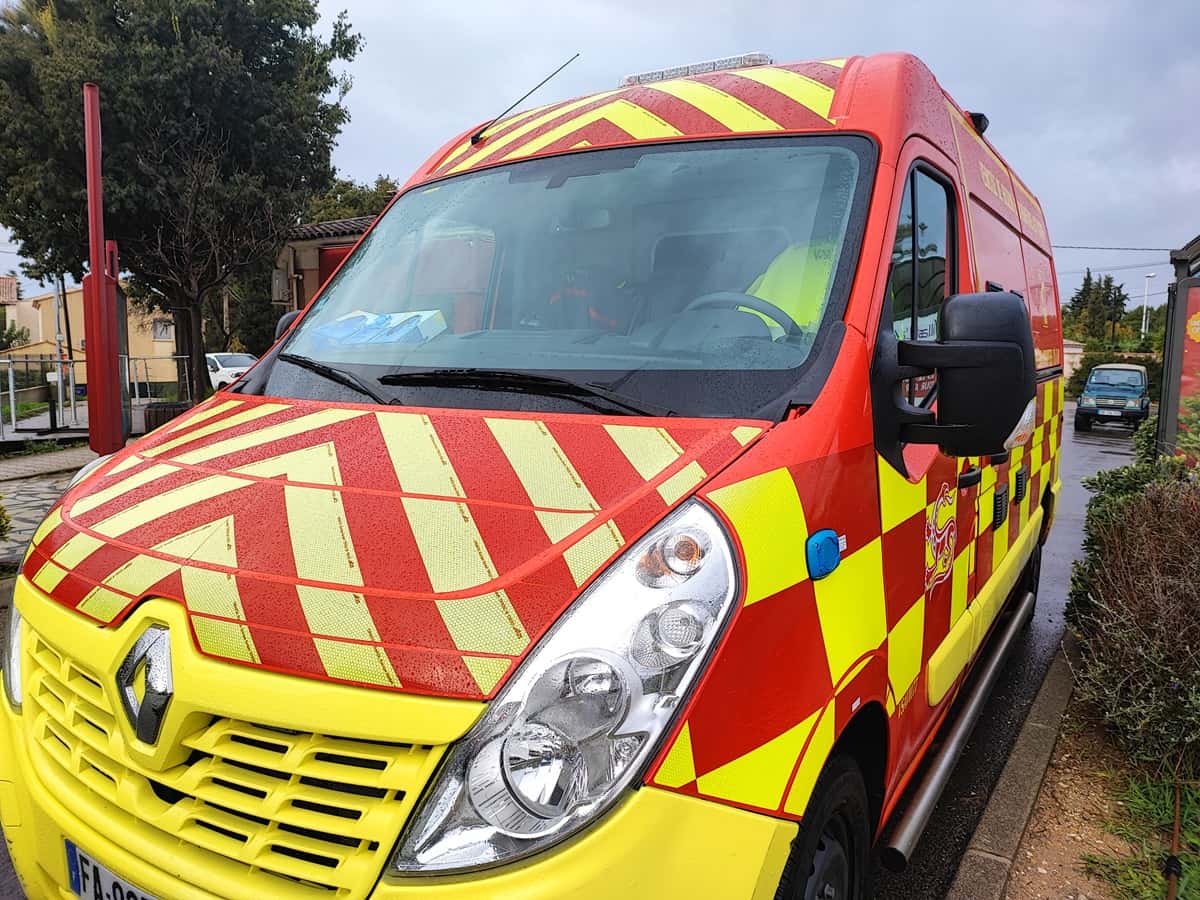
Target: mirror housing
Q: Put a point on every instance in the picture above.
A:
(285, 322)
(987, 380)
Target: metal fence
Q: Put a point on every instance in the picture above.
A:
(42, 394)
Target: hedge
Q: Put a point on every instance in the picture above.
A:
(1133, 604)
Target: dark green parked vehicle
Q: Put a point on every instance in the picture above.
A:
(1115, 393)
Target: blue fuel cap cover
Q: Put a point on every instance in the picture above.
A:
(823, 553)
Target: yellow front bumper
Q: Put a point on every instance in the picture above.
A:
(655, 844)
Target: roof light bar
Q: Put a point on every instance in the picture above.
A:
(743, 61)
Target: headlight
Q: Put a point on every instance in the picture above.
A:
(1087, 401)
(12, 659)
(1133, 404)
(576, 724)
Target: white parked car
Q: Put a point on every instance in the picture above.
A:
(226, 368)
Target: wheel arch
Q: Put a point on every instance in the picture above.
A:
(1048, 501)
(865, 740)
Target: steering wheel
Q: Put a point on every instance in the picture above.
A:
(735, 300)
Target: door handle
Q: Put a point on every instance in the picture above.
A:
(970, 477)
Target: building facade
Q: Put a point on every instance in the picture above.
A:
(151, 337)
(310, 256)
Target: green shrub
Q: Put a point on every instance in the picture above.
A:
(1093, 358)
(1112, 492)
(5, 522)
(1138, 624)
(1187, 438)
(1145, 441)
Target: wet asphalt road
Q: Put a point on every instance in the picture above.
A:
(961, 806)
(935, 862)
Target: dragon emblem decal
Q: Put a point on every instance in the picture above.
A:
(941, 533)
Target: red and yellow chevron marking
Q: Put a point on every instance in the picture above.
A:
(415, 550)
(743, 101)
(893, 625)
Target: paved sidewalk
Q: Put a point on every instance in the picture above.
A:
(27, 501)
(984, 870)
(40, 464)
(30, 426)
(29, 485)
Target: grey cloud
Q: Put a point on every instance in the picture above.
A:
(1093, 103)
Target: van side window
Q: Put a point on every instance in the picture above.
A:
(933, 250)
(923, 266)
(900, 281)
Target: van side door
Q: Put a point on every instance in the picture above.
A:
(928, 520)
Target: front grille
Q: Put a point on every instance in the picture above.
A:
(266, 812)
(1110, 402)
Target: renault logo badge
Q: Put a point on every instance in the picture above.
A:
(145, 683)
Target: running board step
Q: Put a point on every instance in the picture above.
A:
(908, 829)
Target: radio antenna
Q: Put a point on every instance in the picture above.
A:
(478, 136)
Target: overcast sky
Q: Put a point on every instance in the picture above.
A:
(1095, 104)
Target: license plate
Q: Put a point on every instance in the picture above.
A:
(93, 881)
(1109, 412)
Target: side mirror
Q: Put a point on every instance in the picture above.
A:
(986, 377)
(285, 322)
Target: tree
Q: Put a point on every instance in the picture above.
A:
(254, 317)
(1115, 299)
(347, 199)
(219, 120)
(1097, 315)
(12, 336)
(1077, 305)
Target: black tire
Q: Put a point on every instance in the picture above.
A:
(1033, 572)
(1083, 424)
(830, 858)
(1029, 582)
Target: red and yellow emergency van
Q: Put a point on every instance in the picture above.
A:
(622, 519)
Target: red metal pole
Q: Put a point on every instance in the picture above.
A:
(105, 427)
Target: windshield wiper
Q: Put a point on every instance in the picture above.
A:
(526, 383)
(349, 379)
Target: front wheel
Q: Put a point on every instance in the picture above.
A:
(830, 858)
(1032, 575)
(1083, 424)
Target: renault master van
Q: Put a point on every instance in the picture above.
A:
(621, 520)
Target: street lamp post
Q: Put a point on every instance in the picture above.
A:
(1145, 307)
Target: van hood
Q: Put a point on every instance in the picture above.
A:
(1122, 391)
(416, 550)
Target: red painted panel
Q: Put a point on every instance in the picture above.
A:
(1189, 382)
(329, 258)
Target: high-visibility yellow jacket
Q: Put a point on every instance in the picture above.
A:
(797, 281)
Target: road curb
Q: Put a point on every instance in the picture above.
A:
(40, 473)
(985, 867)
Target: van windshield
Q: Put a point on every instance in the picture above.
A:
(233, 360)
(1125, 378)
(642, 267)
